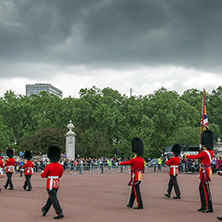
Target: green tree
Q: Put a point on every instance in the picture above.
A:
(43, 138)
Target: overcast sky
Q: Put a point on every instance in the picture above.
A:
(121, 44)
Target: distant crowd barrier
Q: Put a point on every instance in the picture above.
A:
(104, 169)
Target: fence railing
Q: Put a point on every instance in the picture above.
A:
(104, 169)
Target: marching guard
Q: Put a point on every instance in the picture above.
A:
(174, 171)
(9, 165)
(28, 170)
(1, 168)
(53, 172)
(137, 166)
(205, 157)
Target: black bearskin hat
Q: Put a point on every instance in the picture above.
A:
(54, 153)
(9, 153)
(176, 149)
(208, 139)
(137, 146)
(28, 155)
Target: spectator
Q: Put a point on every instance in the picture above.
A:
(159, 163)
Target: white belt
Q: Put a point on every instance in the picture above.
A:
(174, 169)
(29, 169)
(10, 168)
(51, 181)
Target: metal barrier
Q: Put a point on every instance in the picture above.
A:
(82, 169)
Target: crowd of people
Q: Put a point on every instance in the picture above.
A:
(39, 161)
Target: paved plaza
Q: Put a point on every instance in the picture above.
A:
(103, 198)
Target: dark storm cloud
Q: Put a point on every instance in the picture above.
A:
(111, 33)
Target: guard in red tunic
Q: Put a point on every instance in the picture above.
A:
(137, 166)
(1, 168)
(174, 171)
(53, 172)
(9, 165)
(205, 157)
(28, 170)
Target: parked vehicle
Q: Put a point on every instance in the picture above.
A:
(152, 162)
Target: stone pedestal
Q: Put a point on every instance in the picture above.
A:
(70, 142)
(218, 147)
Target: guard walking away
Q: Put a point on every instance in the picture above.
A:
(205, 157)
(9, 165)
(137, 166)
(28, 170)
(174, 171)
(53, 172)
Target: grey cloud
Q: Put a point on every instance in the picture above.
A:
(112, 33)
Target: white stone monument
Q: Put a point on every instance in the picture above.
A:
(70, 142)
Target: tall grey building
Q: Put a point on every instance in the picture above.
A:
(39, 87)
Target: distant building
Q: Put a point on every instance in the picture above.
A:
(39, 87)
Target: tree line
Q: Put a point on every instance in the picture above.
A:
(105, 120)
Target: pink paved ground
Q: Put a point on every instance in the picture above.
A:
(103, 198)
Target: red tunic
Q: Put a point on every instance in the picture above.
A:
(205, 164)
(9, 165)
(173, 163)
(52, 172)
(137, 166)
(28, 166)
(1, 163)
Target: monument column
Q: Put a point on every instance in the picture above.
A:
(70, 142)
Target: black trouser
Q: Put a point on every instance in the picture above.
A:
(9, 180)
(52, 200)
(205, 196)
(27, 182)
(135, 193)
(173, 183)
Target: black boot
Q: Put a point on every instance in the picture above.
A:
(58, 216)
(136, 208)
(201, 209)
(43, 212)
(167, 195)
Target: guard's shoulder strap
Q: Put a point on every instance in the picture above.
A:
(208, 154)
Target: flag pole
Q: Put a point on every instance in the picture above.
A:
(204, 120)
